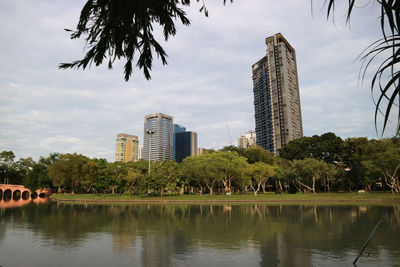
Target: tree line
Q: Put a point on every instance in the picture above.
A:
(314, 164)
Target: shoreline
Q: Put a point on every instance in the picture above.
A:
(264, 201)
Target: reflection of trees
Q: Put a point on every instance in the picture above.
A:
(285, 234)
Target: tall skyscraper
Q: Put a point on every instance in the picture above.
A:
(276, 95)
(177, 129)
(127, 148)
(247, 140)
(185, 145)
(158, 134)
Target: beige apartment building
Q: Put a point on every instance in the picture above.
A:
(127, 148)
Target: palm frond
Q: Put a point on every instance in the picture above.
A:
(388, 88)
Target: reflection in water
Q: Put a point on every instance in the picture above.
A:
(204, 234)
(19, 202)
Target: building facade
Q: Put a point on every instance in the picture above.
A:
(177, 129)
(127, 148)
(247, 140)
(158, 137)
(140, 152)
(185, 145)
(276, 95)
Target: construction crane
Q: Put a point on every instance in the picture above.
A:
(229, 135)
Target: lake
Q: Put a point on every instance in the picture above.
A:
(59, 234)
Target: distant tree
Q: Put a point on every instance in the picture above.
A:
(163, 176)
(257, 154)
(7, 167)
(299, 148)
(231, 165)
(205, 170)
(354, 151)
(99, 182)
(327, 147)
(115, 176)
(231, 148)
(71, 171)
(196, 171)
(308, 172)
(142, 165)
(260, 173)
(133, 176)
(382, 163)
(38, 176)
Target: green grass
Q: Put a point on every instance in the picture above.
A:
(268, 197)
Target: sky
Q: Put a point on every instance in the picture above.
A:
(206, 86)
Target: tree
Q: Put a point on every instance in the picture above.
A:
(260, 173)
(71, 171)
(163, 176)
(382, 163)
(299, 148)
(133, 175)
(114, 176)
(204, 170)
(231, 165)
(354, 151)
(7, 167)
(327, 147)
(38, 176)
(257, 154)
(308, 172)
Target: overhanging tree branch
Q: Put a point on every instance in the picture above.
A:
(116, 29)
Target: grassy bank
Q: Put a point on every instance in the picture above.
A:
(268, 197)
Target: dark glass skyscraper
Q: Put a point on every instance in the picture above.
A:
(276, 95)
(185, 145)
(177, 129)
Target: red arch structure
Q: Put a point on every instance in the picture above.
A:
(21, 192)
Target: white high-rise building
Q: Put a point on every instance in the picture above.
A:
(247, 140)
(158, 137)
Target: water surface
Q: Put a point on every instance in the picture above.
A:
(60, 235)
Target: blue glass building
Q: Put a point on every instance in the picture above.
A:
(177, 129)
(185, 145)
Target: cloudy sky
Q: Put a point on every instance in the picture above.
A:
(206, 86)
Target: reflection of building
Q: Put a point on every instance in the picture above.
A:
(185, 145)
(160, 141)
(279, 251)
(276, 95)
(157, 250)
(177, 129)
(247, 140)
(123, 243)
(127, 148)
